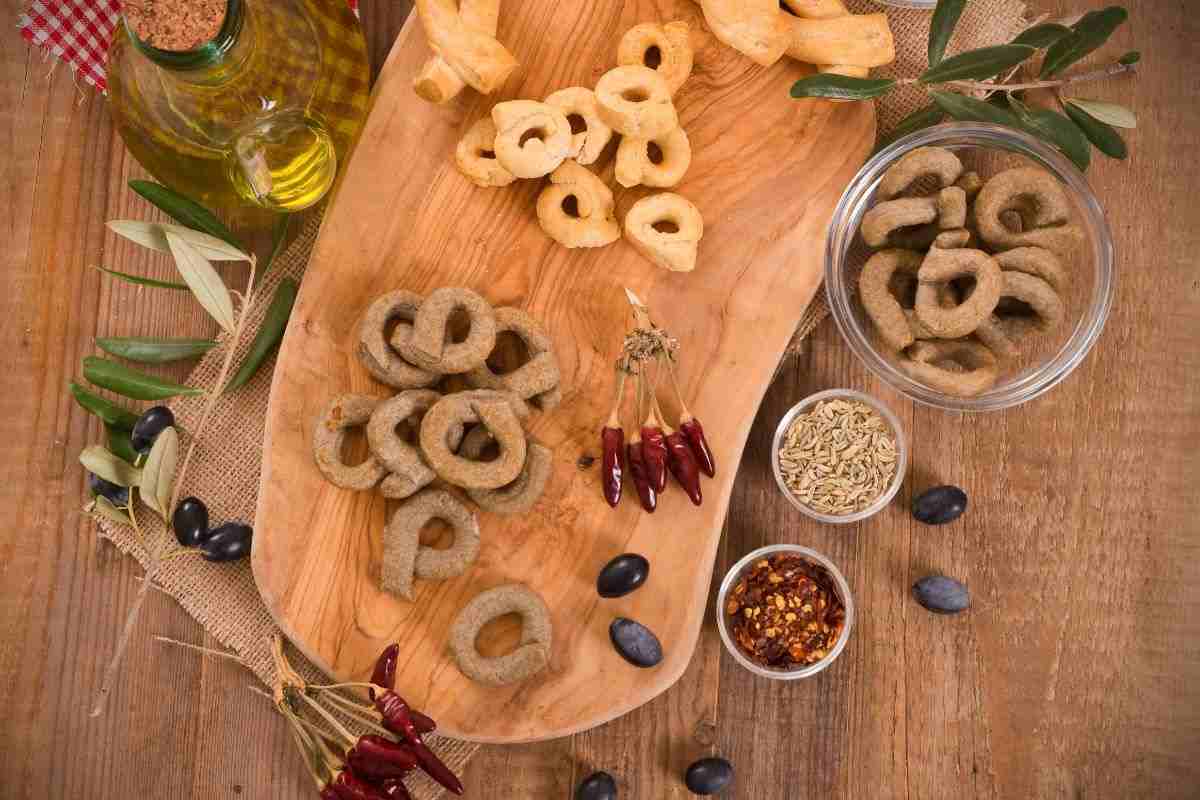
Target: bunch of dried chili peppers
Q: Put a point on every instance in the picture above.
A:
(367, 767)
(654, 447)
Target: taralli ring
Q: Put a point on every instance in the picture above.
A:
(437, 81)
(531, 656)
(501, 421)
(666, 228)
(880, 303)
(475, 156)
(409, 471)
(635, 101)
(943, 266)
(666, 49)
(405, 558)
(576, 209)
(532, 138)
(579, 105)
(520, 495)
(345, 411)
(425, 342)
(936, 162)
(893, 215)
(374, 351)
(660, 162)
(1042, 204)
(537, 375)
(1000, 331)
(1036, 261)
(758, 29)
(975, 366)
(474, 55)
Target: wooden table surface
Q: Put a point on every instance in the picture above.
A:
(1076, 673)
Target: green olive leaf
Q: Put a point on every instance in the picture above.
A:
(1108, 113)
(203, 280)
(99, 461)
(841, 87)
(140, 281)
(154, 236)
(1130, 58)
(131, 383)
(941, 27)
(975, 65)
(149, 350)
(270, 333)
(921, 118)
(1089, 33)
(1042, 36)
(969, 109)
(111, 413)
(158, 475)
(185, 210)
(279, 235)
(1055, 129)
(1103, 136)
(101, 506)
(120, 444)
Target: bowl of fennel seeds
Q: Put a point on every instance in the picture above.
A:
(839, 456)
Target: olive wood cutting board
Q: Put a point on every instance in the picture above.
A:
(766, 173)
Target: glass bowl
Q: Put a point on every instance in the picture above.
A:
(1047, 358)
(901, 454)
(843, 592)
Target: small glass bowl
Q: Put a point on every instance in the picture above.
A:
(839, 582)
(897, 433)
(1047, 359)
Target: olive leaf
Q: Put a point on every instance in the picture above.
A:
(941, 27)
(1089, 33)
(203, 280)
(148, 350)
(921, 118)
(1055, 129)
(154, 236)
(1103, 136)
(270, 333)
(1109, 113)
(131, 383)
(841, 87)
(103, 507)
(158, 475)
(111, 413)
(101, 462)
(139, 280)
(986, 62)
(1130, 58)
(279, 235)
(185, 210)
(121, 445)
(969, 109)
(1042, 36)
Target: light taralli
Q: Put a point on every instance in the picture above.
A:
(472, 53)
(636, 166)
(757, 29)
(589, 143)
(576, 209)
(532, 654)
(405, 558)
(437, 81)
(673, 250)
(345, 411)
(635, 101)
(475, 156)
(532, 138)
(665, 48)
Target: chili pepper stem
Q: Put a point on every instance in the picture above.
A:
(349, 685)
(349, 738)
(614, 416)
(359, 713)
(684, 414)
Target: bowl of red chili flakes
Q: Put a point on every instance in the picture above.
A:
(785, 612)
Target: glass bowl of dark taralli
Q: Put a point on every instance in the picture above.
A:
(969, 266)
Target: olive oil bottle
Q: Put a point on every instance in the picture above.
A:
(259, 116)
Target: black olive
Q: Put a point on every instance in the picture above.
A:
(635, 642)
(597, 786)
(708, 776)
(622, 575)
(190, 522)
(228, 542)
(940, 505)
(150, 424)
(941, 595)
(117, 495)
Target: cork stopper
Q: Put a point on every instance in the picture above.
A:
(177, 25)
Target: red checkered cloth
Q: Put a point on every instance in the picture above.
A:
(77, 32)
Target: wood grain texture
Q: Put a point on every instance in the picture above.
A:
(765, 177)
(1077, 671)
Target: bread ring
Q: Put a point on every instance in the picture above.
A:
(373, 350)
(475, 156)
(589, 220)
(537, 375)
(673, 250)
(1043, 204)
(345, 411)
(758, 29)
(425, 343)
(635, 101)
(861, 40)
(1036, 261)
(635, 165)
(666, 49)
(937, 162)
(942, 266)
(437, 81)
(589, 143)
(405, 558)
(531, 656)
(409, 471)
(532, 138)
(477, 58)
(501, 422)
(979, 364)
(520, 495)
(878, 301)
(1000, 332)
(891, 215)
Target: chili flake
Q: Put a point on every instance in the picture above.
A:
(784, 612)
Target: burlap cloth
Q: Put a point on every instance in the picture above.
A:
(225, 469)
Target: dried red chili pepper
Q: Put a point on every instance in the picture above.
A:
(372, 770)
(695, 435)
(422, 723)
(612, 442)
(350, 787)
(329, 793)
(382, 755)
(394, 789)
(398, 720)
(683, 465)
(654, 453)
(637, 471)
(385, 669)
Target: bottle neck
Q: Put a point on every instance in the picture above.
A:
(227, 48)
